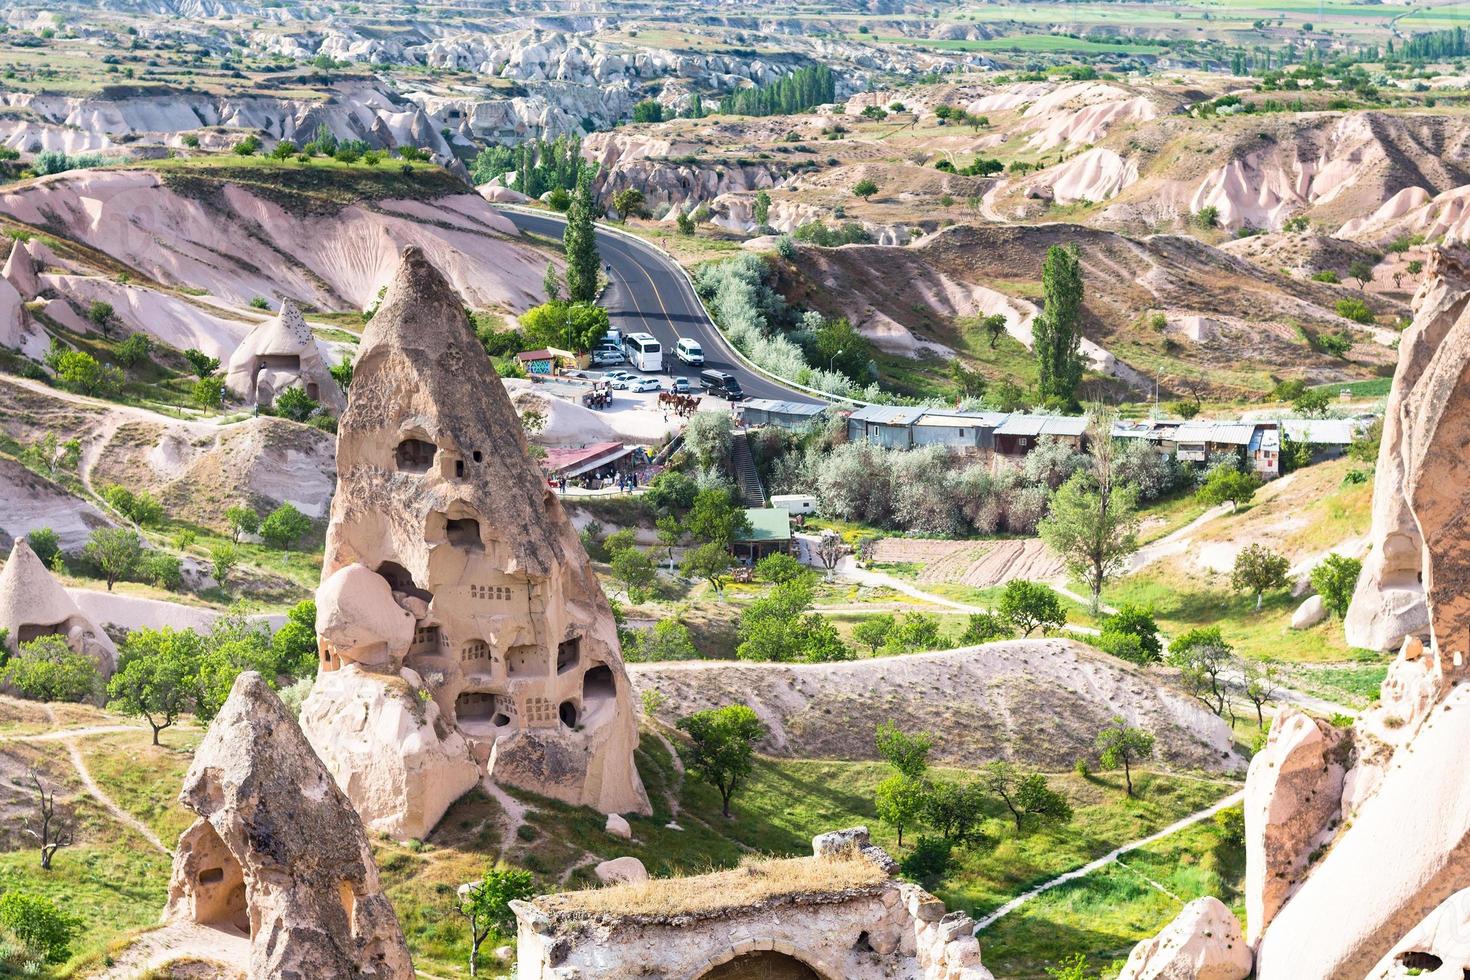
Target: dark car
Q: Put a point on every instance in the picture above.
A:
(721, 383)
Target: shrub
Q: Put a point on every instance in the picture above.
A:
(1226, 483)
(45, 544)
(140, 507)
(983, 628)
(135, 350)
(1206, 217)
(1325, 275)
(1029, 606)
(248, 146)
(83, 373)
(929, 860)
(1354, 309)
(294, 403)
(162, 570)
(1137, 622)
(47, 669)
(42, 928)
(1335, 579)
(209, 391)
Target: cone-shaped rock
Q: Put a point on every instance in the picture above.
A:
(512, 660)
(278, 853)
(33, 604)
(278, 354)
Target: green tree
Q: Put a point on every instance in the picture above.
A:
(1057, 330)
(668, 640)
(1257, 569)
(670, 532)
(779, 627)
(102, 315)
(1226, 483)
(1354, 309)
(1335, 578)
(295, 404)
(955, 811)
(1093, 520)
(1025, 794)
(1361, 270)
(574, 326)
(634, 571)
(283, 527)
(714, 518)
(899, 802)
(234, 644)
(156, 675)
(135, 351)
(984, 628)
(1260, 687)
(722, 747)
(551, 283)
(342, 373)
(485, 906)
(1029, 606)
(873, 631)
(41, 927)
(209, 392)
(1137, 622)
(294, 646)
(242, 519)
(907, 753)
(837, 344)
(994, 327)
(710, 561)
(115, 551)
(762, 209)
(647, 111)
(202, 363)
(1311, 401)
(45, 544)
(1120, 745)
(865, 188)
(780, 568)
(580, 242)
(223, 558)
(915, 631)
(629, 202)
(1203, 659)
(83, 373)
(47, 669)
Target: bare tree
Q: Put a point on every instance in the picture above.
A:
(830, 550)
(1260, 687)
(53, 834)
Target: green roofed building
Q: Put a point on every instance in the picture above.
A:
(770, 532)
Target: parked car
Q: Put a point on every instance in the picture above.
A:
(689, 352)
(607, 355)
(645, 384)
(619, 379)
(679, 386)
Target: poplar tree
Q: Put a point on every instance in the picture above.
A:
(581, 246)
(1057, 333)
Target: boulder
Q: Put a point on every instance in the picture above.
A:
(389, 749)
(618, 827)
(1202, 943)
(1292, 803)
(620, 871)
(1311, 612)
(1408, 850)
(278, 853)
(356, 616)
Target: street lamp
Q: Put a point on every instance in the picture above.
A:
(832, 361)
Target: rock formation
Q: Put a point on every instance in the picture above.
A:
(278, 354)
(278, 853)
(461, 628)
(1295, 786)
(1202, 943)
(839, 913)
(1389, 602)
(1388, 845)
(33, 604)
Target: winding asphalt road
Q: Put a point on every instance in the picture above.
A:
(648, 293)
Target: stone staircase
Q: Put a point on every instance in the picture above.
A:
(747, 478)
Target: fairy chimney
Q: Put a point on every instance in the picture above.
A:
(458, 615)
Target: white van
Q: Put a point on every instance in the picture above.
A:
(689, 351)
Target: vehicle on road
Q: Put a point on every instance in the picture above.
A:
(722, 384)
(689, 352)
(604, 356)
(644, 351)
(644, 384)
(680, 386)
(620, 379)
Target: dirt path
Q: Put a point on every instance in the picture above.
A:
(1176, 542)
(1109, 858)
(225, 949)
(515, 812)
(68, 737)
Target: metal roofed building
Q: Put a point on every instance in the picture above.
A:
(1020, 433)
(783, 414)
(964, 432)
(891, 426)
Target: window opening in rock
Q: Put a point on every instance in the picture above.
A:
(598, 684)
(414, 456)
(568, 714)
(459, 468)
(477, 456)
(1416, 960)
(400, 581)
(464, 532)
(500, 720)
(568, 654)
(474, 706)
(525, 661)
(211, 876)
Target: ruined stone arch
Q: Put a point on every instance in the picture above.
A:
(765, 959)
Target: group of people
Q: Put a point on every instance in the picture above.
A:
(625, 482)
(600, 396)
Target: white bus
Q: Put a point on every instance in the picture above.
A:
(644, 352)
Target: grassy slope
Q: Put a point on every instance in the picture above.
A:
(118, 883)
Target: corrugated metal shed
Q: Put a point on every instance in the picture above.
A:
(775, 407)
(887, 415)
(1319, 432)
(962, 420)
